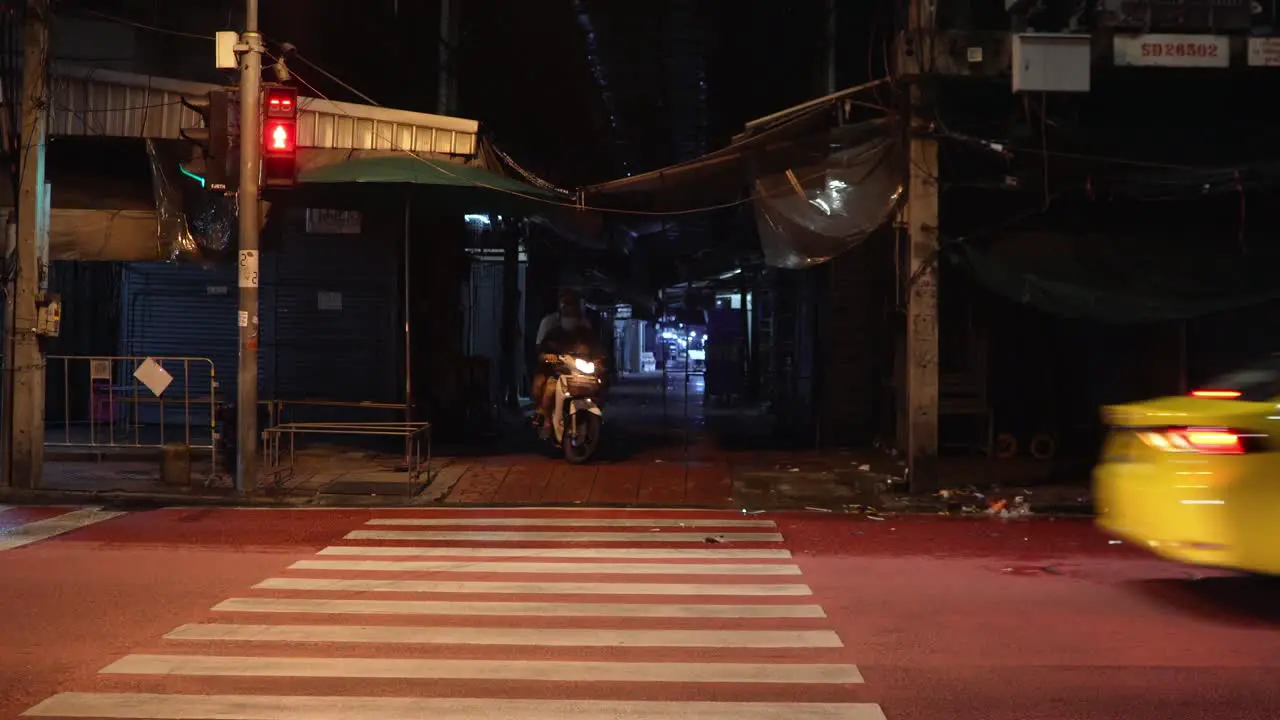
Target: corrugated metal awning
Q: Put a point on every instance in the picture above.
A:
(94, 101)
(727, 168)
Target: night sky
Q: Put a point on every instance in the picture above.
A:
(577, 91)
(581, 91)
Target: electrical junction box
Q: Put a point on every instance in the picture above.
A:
(49, 315)
(224, 52)
(1052, 62)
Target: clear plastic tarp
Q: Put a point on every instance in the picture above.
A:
(821, 208)
(76, 234)
(193, 225)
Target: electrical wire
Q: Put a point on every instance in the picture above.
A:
(1045, 153)
(142, 26)
(946, 243)
(131, 108)
(581, 206)
(332, 77)
(1102, 159)
(871, 47)
(1043, 150)
(197, 36)
(1204, 179)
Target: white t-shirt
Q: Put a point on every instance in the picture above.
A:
(550, 322)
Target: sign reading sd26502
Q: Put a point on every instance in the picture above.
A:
(1175, 51)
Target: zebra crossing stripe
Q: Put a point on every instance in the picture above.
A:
(446, 669)
(550, 637)
(528, 609)
(534, 536)
(575, 522)
(556, 552)
(138, 706)
(538, 588)
(547, 567)
(39, 530)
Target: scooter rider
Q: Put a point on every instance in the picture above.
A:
(558, 333)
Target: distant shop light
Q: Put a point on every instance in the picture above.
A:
(476, 219)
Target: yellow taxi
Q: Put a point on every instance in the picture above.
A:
(1196, 479)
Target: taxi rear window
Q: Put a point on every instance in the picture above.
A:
(1258, 382)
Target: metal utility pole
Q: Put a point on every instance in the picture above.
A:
(24, 359)
(512, 344)
(922, 252)
(250, 225)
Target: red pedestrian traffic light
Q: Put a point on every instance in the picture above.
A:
(280, 137)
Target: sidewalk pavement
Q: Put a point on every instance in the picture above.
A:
(866, 482)
(875, 484)
(323, 475)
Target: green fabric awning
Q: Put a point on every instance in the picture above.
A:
(406, 169)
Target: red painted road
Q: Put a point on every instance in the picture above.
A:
(916, 618)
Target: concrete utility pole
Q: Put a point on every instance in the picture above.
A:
(922, 265)
(24, 359)
(250, 225)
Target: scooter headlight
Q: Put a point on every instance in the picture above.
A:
(584, 366)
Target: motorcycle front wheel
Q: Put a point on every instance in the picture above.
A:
(579, 447)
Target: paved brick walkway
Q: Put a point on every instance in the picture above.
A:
(522, 481)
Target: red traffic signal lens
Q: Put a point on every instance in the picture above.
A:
(279, 136)
(281, 102)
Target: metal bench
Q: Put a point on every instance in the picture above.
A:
(415, 435)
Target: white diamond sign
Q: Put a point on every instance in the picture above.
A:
(156, 378)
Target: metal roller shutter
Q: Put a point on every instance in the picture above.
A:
(170, 310)
(332, 318)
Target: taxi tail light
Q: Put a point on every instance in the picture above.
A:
(1206, 441)
(1217, 394)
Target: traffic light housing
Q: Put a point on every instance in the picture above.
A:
(216, 162)
(279, 137)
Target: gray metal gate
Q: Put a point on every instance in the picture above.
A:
(483, 323)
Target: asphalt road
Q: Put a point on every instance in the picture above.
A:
(508, 614)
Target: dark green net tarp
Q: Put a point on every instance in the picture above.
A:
(412, 170)
(1120, 282)
(466, 188)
